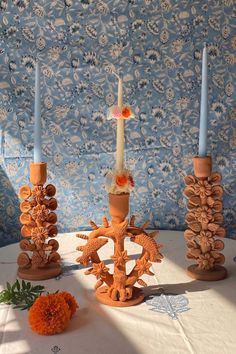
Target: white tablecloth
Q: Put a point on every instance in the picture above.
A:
(182, 316)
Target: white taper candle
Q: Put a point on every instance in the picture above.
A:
(120, 133)
(204, 106)
(37, 118)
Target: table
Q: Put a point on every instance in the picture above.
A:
(180, 315)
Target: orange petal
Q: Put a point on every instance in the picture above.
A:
(121, 180)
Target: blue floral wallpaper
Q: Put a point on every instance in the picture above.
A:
(156, 46)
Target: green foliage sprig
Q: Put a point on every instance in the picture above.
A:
(22, 296)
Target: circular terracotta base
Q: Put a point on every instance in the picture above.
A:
(102, 296)
(51, 271)
(218, 273)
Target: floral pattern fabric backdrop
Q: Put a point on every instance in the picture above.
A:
(157, 46)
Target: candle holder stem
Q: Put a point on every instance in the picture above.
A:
(119, 290)
(38, 221)
(204, 219)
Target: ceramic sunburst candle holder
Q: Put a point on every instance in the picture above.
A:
(117, 288)
(204, 220)
(38, 221)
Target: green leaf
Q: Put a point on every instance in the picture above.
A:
(14, 286)
(3, 296)
(26, 307)
(22, 296)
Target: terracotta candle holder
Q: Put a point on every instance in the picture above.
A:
(118, 289)
(38, 221)
(204, 220)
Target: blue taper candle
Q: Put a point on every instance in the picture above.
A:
(37, 117)
(204, 106)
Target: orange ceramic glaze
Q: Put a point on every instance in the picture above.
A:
(38, 173)
(51, 203)
(50, 190)
(204, 220)
(38, 224)
(119, 289)
(118, 206)
(25, 206)
(26, 231)
(25, 218)
(24, 192)
(202, 166)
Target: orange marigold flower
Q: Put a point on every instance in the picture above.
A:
(126, 112)
(49, 314)
(70, 300)
(121, 180)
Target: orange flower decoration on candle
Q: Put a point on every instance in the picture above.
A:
(121, 180)
(126, 112)
(50, 314)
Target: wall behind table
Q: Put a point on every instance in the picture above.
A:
(157, 46)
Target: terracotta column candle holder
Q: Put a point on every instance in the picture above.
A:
(118, 289)
(38, 221)
(204, 220)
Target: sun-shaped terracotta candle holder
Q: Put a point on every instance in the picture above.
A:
(204, 220)
(38, 221)
(118, 289)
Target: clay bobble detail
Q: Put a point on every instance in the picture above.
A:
(204, 219)
(38, 221)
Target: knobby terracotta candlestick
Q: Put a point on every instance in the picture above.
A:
(204, 221)
(38, 221)
(119, 289)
